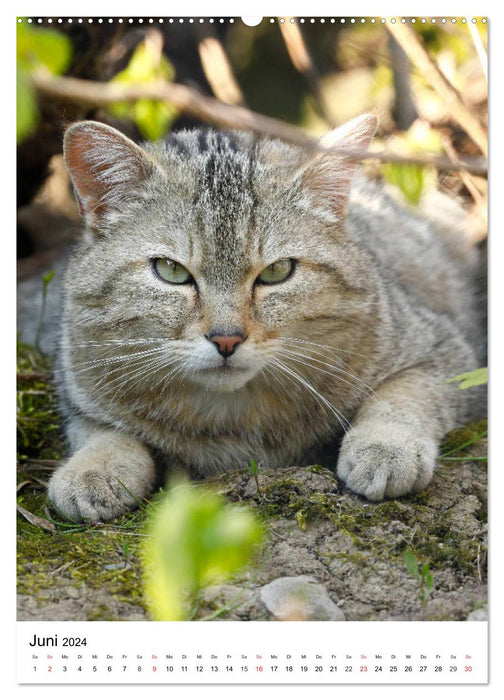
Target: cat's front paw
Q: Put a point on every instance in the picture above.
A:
(382, 459)
(103, 480)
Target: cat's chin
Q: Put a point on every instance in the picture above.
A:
(224, 379)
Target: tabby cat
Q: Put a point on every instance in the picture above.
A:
(237, 298)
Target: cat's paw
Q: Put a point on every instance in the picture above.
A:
(103, 480)
(382, 459)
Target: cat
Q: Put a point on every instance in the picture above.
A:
(235, 297)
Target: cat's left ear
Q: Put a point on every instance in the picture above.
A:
(329, 175)
(107, 169)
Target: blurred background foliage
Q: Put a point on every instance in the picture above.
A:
(315, 76)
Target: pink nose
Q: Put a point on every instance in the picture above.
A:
(226, 344)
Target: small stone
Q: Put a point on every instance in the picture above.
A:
(479, 615)
(70, 592)
(299, 598)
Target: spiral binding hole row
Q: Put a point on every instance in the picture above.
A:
(231, 20)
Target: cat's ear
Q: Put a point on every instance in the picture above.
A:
(329, 175)
(107, 169)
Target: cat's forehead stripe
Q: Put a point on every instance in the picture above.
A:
(225, 203)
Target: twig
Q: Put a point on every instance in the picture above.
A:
(303, 63)
(43, 462)
(480, 49)
(210, 110)
(404, 110)
(464, 175)
(478, 166)
(33, 377)
(418, 55)
(217, 68)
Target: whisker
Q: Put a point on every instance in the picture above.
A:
(105, 361)
(345, 424)
(368, 390)
(328, 348)
(113, 342)
(121, 374)
(295, 357)
(134, 377)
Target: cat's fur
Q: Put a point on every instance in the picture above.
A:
(358, 341)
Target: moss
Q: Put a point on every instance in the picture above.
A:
(38, 422)
(94, 557)
(456, 439)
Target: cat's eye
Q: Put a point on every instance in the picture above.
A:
(277, 272)
(171, 271)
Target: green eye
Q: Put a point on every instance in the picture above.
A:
(277, 272)
(171, 271)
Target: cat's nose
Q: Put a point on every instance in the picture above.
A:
(226, 344)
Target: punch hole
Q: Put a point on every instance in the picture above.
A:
(251, 21)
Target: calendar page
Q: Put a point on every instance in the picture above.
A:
(252, 350)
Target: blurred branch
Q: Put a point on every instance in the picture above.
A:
(210, 110)
(187, 99)
(480, 49)
(478, 166)
(464, 175)
(217, 68)
(404, 111)
(303, 63)
(414, 48)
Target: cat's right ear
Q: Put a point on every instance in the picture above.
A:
(329, 175)
(107, 169)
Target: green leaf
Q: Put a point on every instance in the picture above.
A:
(411, 564)
(195, 539)
(26, 106)
(46, 279)
(429, 582)
(469, 379)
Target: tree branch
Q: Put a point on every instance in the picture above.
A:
(212, 111)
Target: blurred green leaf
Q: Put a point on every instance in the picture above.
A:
(411, 563)
(301, 519)
(36, 47)
(195, 539)
(39, 46)
(408, 177)
(469, 379)
(26, 106)
(152, 117)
